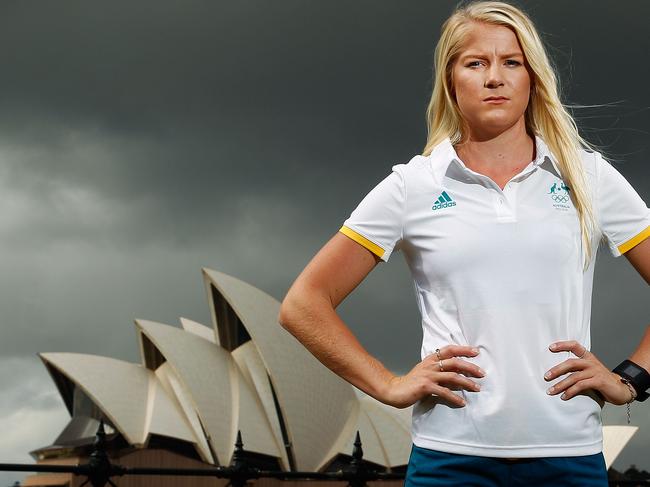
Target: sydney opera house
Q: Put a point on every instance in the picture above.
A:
(197, 386)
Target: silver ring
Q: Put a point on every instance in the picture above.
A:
(438, 354)
(440, 364)
(584, 353)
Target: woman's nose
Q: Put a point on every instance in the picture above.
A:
(493, 77)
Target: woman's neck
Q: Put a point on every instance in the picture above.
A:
(499, 158)
(506, 153)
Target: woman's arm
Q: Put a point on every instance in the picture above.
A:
(639, 257)
(590, 372)
(308, 313)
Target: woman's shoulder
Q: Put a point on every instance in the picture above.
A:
(411, 168)
(415, 164)
(428, 166)
(416, 171)
(590, 159)
(595, 163)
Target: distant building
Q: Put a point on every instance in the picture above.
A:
(197, 386)
(632, 477)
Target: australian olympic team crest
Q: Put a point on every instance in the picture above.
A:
(559, 193)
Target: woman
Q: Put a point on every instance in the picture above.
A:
(499, 220)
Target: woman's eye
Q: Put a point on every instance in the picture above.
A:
(509, 62)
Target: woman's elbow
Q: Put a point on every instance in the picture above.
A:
(283, 315)
(287, 313)
(299, 307)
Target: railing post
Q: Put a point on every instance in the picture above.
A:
(240, 472)
(356, 469)
(99, 468)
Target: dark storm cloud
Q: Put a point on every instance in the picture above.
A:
(218, 101)
(170, 104)
(142, 140)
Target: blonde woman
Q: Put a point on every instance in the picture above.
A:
(499, 220)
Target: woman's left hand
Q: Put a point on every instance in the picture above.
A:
(588, 373)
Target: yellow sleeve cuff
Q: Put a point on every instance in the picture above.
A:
(636, 240)
(360, 239)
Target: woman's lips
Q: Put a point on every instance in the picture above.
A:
(496, 101)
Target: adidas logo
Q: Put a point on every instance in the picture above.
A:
(444, 201)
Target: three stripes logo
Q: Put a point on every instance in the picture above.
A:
(444, 201)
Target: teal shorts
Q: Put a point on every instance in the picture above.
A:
(429, 468)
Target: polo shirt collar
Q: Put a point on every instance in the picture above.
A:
(543, 154)
(445, 151)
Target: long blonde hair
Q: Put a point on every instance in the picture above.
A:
(545, 115)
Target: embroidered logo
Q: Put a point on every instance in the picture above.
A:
(560, 195)
(444, 201)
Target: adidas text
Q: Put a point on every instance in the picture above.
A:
(446, 204)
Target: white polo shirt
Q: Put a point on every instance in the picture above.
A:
(502, 271)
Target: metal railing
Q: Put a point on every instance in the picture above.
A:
(99, 470)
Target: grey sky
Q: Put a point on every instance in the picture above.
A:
(140, 141)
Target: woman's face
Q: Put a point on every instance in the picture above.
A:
(491, 64)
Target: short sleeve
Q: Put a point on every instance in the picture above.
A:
(376, 223)
(624, 217)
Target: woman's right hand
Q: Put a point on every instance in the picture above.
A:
(427, 379)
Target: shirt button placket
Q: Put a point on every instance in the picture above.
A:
(499, 206)
(506, 201)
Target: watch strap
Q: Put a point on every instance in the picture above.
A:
(638, 377)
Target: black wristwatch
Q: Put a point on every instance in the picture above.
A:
(638, 377)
